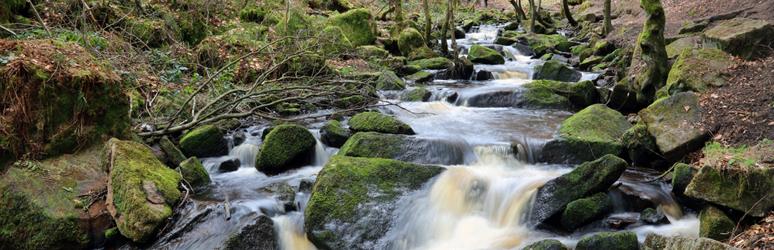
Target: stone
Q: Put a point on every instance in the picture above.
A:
(555, 70)
(541, 44)
(582, 211)
(378, 122)
(334, 134)
(554, 94)
(698, 70)
(675, 122)
(372, 52)
(356, 25)
(420, 94)
(404, 148)
(432, 63)
(388, 80)
(141, 190)
(693, 26)
(715, 224)
(640, 146)
(286, 147)
(586, 179)
(677, 47)
(260, 235)
(741, 37)
(204, 141)
(547, 244)
(353, 200)
(658, 242)
(592, 132)
(681, 177)
(484, 55)
(193, 173)
(229, 165)
(409, 40)
(420, 77)
(174, 155)
(653, 217)
(623, 240)
(740, 189)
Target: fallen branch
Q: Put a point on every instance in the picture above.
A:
(8, 30)
(37, 15)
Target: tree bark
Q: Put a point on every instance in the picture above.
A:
(608, 23)
(399, 13)
(532, 16)
(428, 23)
(567, 14)
(452, 4)
(517, 8)
(445, 29)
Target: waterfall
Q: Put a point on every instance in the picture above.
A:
(290, 232)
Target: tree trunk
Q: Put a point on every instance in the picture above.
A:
(532, 16)
(567, 14)
(428, 23)
(452, 4)
(517, 8)
(445, 29)
(608, 23)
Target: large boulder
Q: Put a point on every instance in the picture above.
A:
(484, 55)
(745, 190)
(334, 134)
(659, 242)
(51, 106)
(45, 205)
(378, 122)
(357, 26)
(681, 177)
(404, 148)
(548, 244)
(586, 135)
(260, 235)
(193, 173)
(409, 40)
(204, 141)
(556, 70)
(553, 94)
(542, 44)
(388, 80)
(582, 211)
(586, 179)
(287, 146)
(675, 123)
(624, 240)
(742, 37)
(715, 224)
(677, 47)
(432, 63)
(640, 146)
(174, 155)
(353, 200)
(697, 70)
(419, 94)
(141, 190)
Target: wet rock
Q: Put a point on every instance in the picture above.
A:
(372, 52)
(260, 235)
(284, 193)
(41, 206)
(676, 47)
(238, 137)
(229, 165)
(432, 63)
(590, 133)
(640, 146)
(353, 200)
(658, 242)
(420, 94)
(555, 70)
(623, 98)
(409, 40)
(388, 80)
(378, 122)
(548, 244)
(356, 25)
(460, 69)
(652, 216)
(174, 155)
(334, 134)
(484, 55)
(483, 75)
(590, 62)
(675, 123)
(681, 176)
(697, 70)
(286, 147)
(409, 70)
(624, 240)
(194, 173)
(459, 33)
(714, 224)
(620, 221)
(204, 141)
(404, 148)
(586, 179)
(141, 190)
(541, 44)
(740, 189)
(420, 77)
(523, 49)
(741, 37)
(602, 48)
(555, 94)
(582, 211)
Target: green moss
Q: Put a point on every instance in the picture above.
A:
(347, 185)
(378, 122)
(372, 145)
(194, 173)
(285, 147)
(420, 94)
(334, 134)
(673, 122)
(193, 27)
(582, 211)
(556, 70)
(681, 176)
(639, 144)
(174, 155)
(746, 190)
(677, 47)
(481, 54)
(624, 240)
(555, 94)
(650, 58)
(597, 123)
(151, 32)
(204, 141)
(297, 22)
(388, 80)
(548, 244)
(356, 25)
(372, 52)
(409, 40)
(541, 44)
(334, 41)
(252, 14)
(697, 70)
(714, 224)
(739, 36)
(432, 63)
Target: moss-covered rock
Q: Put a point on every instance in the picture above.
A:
(420, 94)
(409, 40)
(640, 145)
(41, 206)
(296, 22)
(174, 155)
(714, 224)
(204, 141)
(388, 80)
(677, 47)
(193, 173)
(432, 63)
(259, 235)
(697, 70)
(150, 32)
(333, 5)
(681, 177)
(675, 123)
(348, 192)
(624, 240)
(556, 94)
(653, 216)
(556, 70)
(742, 37)
(372, 52)
(403, 148)
(334, 134)
(252, 14)
(548, 244)
(658, 242)
(287, 146)
(333, 40)
(141, 190)
(420, 77)
(542, 44)
(586, 179)
(357, 26)
(582, 211)
(484, 55)
(745, 190)
(586, 135)
(378, 122)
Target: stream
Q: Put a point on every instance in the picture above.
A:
(477, 205)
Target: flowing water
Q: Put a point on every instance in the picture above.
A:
(478, 205)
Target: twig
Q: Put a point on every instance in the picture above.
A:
(736, 228)
(37, 15)
(8, 30)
